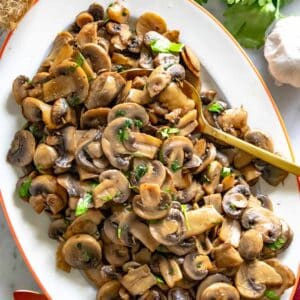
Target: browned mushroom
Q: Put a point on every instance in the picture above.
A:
(20, 88)
(170, 271)
(226, 256)
(118, 13)
(94, 118)
(251, 244)
(44, 157)
(150, 21)
(109, 290)
(220, 291)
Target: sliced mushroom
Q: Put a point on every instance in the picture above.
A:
(152, 203)
(215, 200)
(82, 251)
(61, 113)
(196, 266)
(22, 149)
(220, 291)
(230, 232)
(104, 89)
(94, 118)
(173, 97)
(158, 81)
(70, 80)
(201, 220)
(259, 139)
(98, 57)
(226, 256)
(207, 153)
(252, 279)
(170, 271)
(118, 13)
(139, 280)
(20, 88)
(192, 193)
(187, 123)
(113, 186)
(83, 18)
(236, 200)
(57, 228)
(109, 290)
(251, 244)
(129, 110)
(97, 11)
(213, 175)
(115, 254)
(272, 175)
(146, 60)
(150, 21)
(87, 34)
(170, 230)
(44, 157)
(120, 60)
(263, 221)
(191, 60)
(209, 281)
(184, 247)
(167, 60)
(141, 97)
(101, 274)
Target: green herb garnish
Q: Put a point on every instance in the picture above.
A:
(271, 295)
(167, 131)
(119, 232)
(204, 179)
(74, 101)
(233, 207)
(106, 198)
(24, 188)
(79, 59)
(140, 171)
(138, 123)
(36, 131)
(278, 244)
(123, 132)
(199, 265)
(175, 166)
(184, 211)
(226, 171)
(85, 255)
(159, 279)
(120, 113)
(165, 46)
(83, 204)
(215, 107)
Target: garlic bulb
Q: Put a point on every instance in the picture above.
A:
(282, 51)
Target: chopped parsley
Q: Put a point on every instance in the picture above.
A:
(24, 188)
(165, 46)
(120, 113)
(119, 232)
(123, 132)
(79, 59)
(204, 179)
(278, 244)
(215, 107)
(85, 256)
(138, 123)
(175, 166)
(159, 279)
(184, 211)
(36, 130)
(233, 207)
(74, 101)
(271, 295)
(140, 171)
(83, 204)
(167, 131)
(199, 265)
(226, 171)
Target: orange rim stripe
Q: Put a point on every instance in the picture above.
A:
(265, 88)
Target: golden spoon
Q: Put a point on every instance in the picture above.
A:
(229, 139)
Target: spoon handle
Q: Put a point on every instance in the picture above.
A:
(260, 153)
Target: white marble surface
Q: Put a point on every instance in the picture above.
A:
(14, 273)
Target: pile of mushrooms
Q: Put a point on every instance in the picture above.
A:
(139, 199)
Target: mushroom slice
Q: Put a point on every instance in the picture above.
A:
(236, 200)
(20, 88)
(196, 266)
(87, 34)
(141, 97)
(101, 274)
(61, 113)
(170, 271)
(226, 256)
(206, 151)
(158, 80)
(170, 230)
(167, 60)
(209, 281)
(288, 277)
(83, 18)
(220, 291)
(118, 13)
(150, 21)
(82, 251)
(172, 97)
(188, 123)
(263, 221)
(94, 118)
(57, 228)
(213, 174)
(184, 247)
(191, 60)
(44, 157)
(109, 290)
(97, 11)
(112, 145)
(192, 193)
(251, 244)
(252, 279)
(201, 220)
(98, 57)
(259, 139)
(146, 60)
(70, 80)
(113, 186)
(152, 203)
(86, 223)
(129, 110)
(104, 89)
(230, 232)
(115, 254)
(272, 175)
(22, 149)
(138, 281)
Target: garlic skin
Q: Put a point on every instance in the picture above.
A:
(282, 51)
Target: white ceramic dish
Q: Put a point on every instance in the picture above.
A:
(217, 51)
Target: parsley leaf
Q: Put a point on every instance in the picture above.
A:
(271, 295)
(184, 211)
(140, 171)
(119, 232)
(278, 244)
(36, 130)
(159, 279)
(138, 123)
(167, 131)
(120, 113)
(123, 132)
(24, 188)
(175, 166)
(83, 204)
(225, 172)
(215, 107)
(79, 59)
(165, 46)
